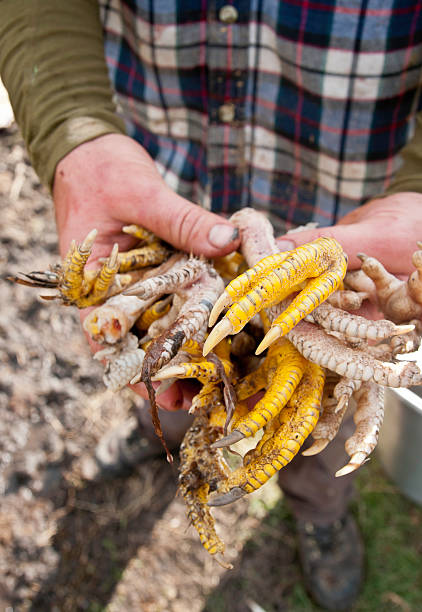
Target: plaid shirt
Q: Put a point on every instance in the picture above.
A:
(297, 108)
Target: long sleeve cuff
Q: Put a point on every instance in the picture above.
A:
(52, 63)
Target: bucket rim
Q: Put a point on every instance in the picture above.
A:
(410, 397)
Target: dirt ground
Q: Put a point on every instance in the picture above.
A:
(125, 544)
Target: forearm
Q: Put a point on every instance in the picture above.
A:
(52, 63)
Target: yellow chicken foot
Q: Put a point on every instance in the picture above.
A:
(201, 369)
(150, 255)
(143, 235)
(201, 470)
(282, 382)
(322, 260)
(153, 313)
(72, 268)
(296, 421)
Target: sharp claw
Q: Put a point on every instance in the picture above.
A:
(316, 447)
(170, 372)
(232, 438)
(223, 301)
(402, 329)
(227, 498)
(112, 262)
(220, 331)
(89, 240)
(347, 469)
(133, 290)
(129, 229)
(355, 462)
(271, 336)
(343, 401)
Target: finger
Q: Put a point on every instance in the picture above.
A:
(189, 227)
(363, 237)
(170, 400)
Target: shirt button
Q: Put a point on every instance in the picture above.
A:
(228, 14)
(226, 112)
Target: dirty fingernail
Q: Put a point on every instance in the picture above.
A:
(286, 245)
(221, 235)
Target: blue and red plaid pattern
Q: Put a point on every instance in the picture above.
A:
(319, 98)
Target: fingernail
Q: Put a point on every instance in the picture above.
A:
(221, 235)
(286, 245)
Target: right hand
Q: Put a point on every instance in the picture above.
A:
(110, 182)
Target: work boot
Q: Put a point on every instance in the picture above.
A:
(332, 562)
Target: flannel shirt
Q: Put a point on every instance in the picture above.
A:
(296, 107)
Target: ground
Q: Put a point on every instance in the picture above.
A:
(125, 544)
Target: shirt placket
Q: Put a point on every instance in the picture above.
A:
(227, 55)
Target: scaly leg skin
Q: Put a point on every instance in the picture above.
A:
(150, 255)
(88, 288)
(76, 286)
(201, 470)
(283, 380)
(123, 361)
(153, 313)
(317, 346)
(143, 235)
(257, 243)
(344, 390)
(230, 265)
(355, 326)
(296, 421)
(327, 427)
(102, 282)
(201, 369)
(322, 260)
(71, 285)
(184, 272)
(191, 349)
(192, 318)
(368, 418)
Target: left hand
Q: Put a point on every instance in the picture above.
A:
(385, 228)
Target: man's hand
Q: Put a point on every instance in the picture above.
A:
(385, 228)
(111, 182)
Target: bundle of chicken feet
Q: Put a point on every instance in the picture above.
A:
(281, 324)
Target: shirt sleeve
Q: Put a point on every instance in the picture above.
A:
(52, 64)
(409, 176)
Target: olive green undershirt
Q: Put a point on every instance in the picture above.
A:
(52, 63)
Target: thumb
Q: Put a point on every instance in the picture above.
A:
(189, 227)
(363, 237)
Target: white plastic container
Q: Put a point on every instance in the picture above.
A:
(400, 442)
